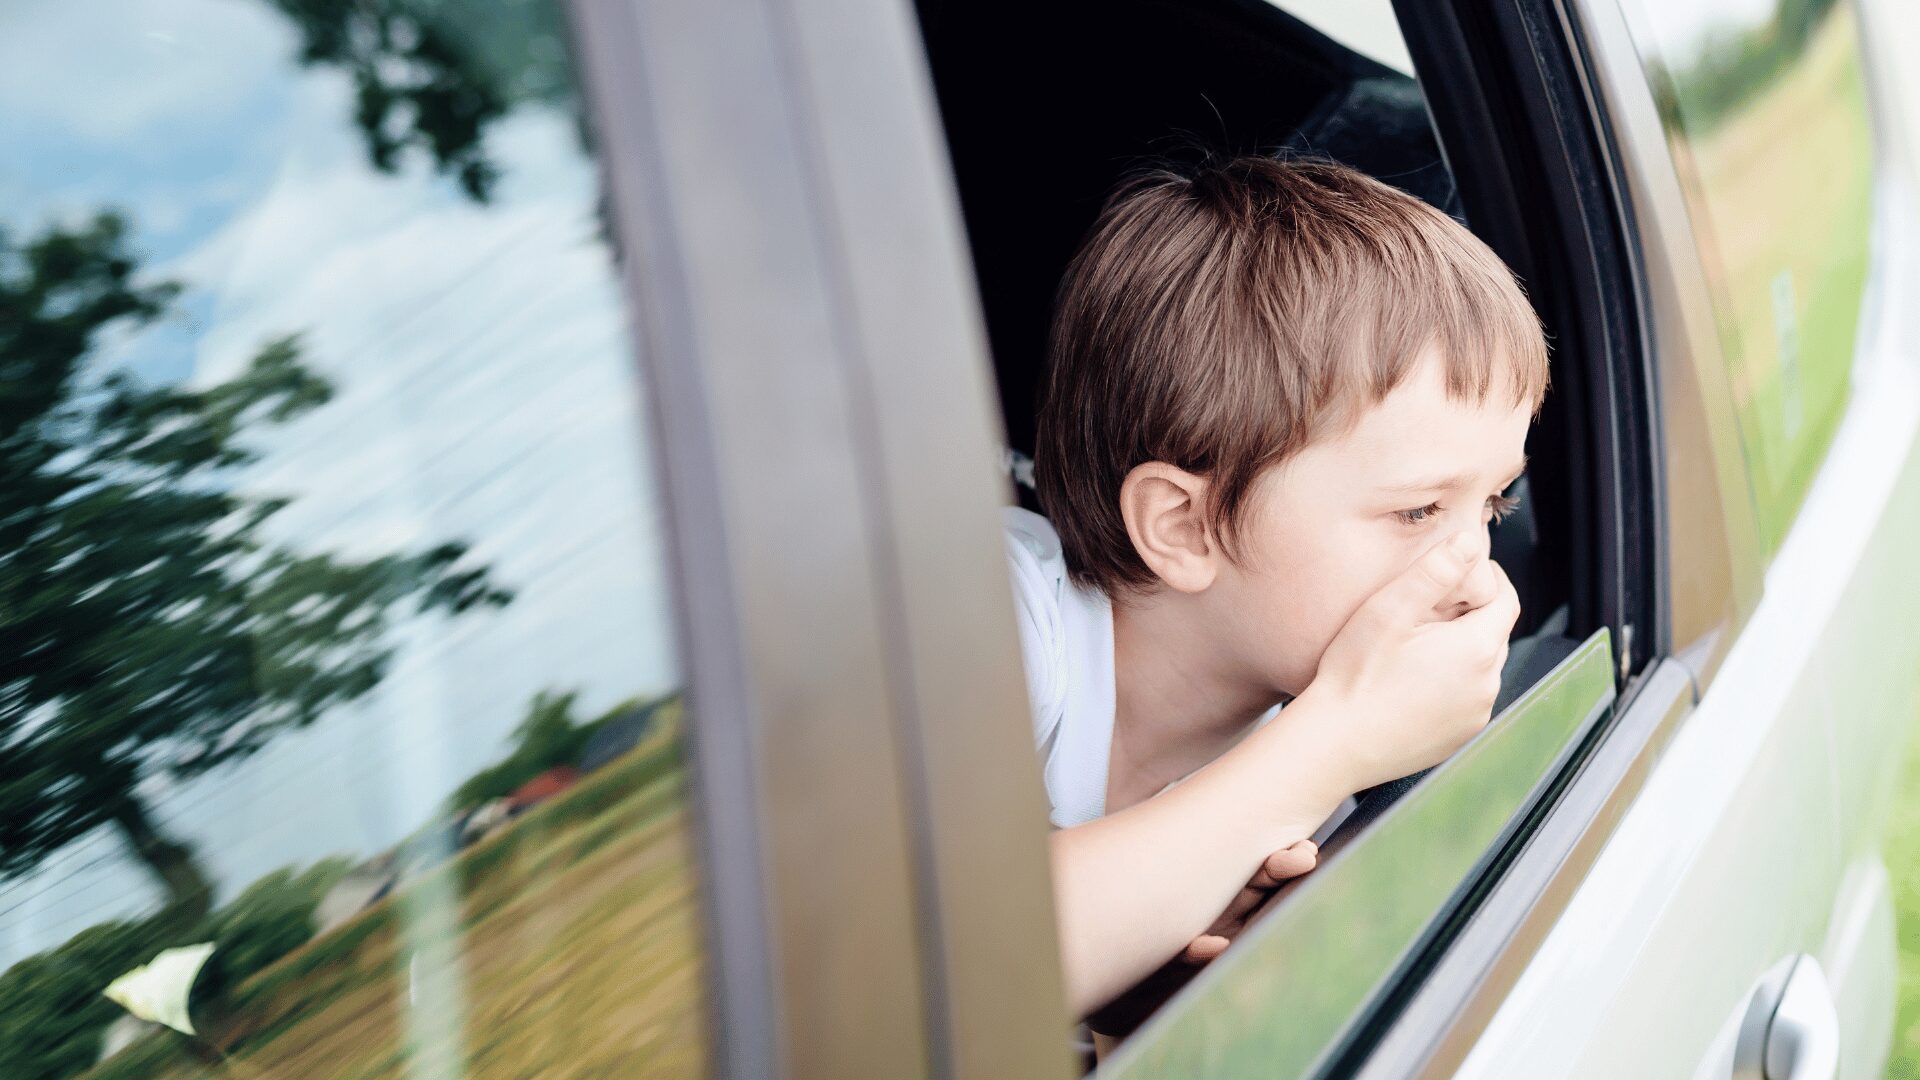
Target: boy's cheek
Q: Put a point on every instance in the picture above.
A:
(1302, 626)
(1318, 577)
(1372, 564)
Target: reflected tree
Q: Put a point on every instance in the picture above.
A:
(1733, 64)
(427, 80)
(147, 628)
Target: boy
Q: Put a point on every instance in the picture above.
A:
(1284, 403)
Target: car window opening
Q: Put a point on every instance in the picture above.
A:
(1044, 114)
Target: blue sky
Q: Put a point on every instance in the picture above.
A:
(485, 392)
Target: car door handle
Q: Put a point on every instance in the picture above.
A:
(1791, 1030)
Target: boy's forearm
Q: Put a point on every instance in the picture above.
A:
(1133, 888)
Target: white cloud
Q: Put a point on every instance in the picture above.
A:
(148, 62)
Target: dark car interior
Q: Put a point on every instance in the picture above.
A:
(1046, 107)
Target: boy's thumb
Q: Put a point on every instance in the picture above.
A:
(1431, 578)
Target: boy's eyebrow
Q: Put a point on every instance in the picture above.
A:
(1441, 482)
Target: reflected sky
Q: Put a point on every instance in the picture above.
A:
(485, 393)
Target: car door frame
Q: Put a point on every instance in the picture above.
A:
(874, 880)
(1704, 467)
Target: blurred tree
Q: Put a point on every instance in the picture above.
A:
(427, 79)
(146, 628)
(53, 1012)
(269, 919)
(1731, 64)
(547, 736)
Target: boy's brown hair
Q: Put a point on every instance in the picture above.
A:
(1220, 321)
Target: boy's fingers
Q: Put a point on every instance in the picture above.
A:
(1288, 862)
(1501, 612)
(1204, 948)
(1237, 911)
(1480, 587)
(1411, 597)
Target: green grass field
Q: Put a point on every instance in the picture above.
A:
(1818, 253)
(576, 954)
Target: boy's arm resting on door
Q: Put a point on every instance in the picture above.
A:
(1134, 888)
(1398, 690)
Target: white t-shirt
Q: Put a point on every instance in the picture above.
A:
(1066, 639)
(1066, 636)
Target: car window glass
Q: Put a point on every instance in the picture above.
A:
(1368, 27)
(339, 704)
(1783, 235)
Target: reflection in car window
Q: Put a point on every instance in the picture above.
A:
(1783, 233)
(338, 702)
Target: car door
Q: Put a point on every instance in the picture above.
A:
(1744, 848)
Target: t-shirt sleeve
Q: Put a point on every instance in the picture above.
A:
(1038, 572)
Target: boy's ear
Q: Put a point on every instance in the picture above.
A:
(1165, 511)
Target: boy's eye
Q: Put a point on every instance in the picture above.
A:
(1418, 516)
(1498, 507)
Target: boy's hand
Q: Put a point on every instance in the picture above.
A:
(1414, 673)
(1481, 586)
(1288, 862)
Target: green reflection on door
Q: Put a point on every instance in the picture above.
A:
(1279, 1000)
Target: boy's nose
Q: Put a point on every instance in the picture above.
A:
(1477, 588)
(1482, 537)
